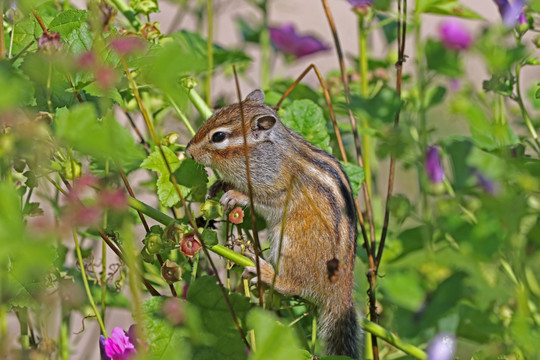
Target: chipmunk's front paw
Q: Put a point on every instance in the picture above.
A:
(267, 271)
(233, 198)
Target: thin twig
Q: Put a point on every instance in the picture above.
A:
(250, 192)
(38, 18)
(401, 33)
(354, 125)
(371, 274)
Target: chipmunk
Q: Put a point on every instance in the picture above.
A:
(319, 236)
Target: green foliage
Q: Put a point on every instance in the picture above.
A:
(109, 140)
(165, 188)
(274, 340)
(306, 118)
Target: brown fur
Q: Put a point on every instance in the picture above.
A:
(318, 252)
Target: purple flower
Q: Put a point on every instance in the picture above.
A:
(510, 12)
(434, 168)
(485, 183)
(117, 347)
(360, 4)
(286, 40)
(522, 19)
(442, 347)
(454, 35)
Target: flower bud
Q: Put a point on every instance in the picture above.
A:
(211, 210)
(189, 83)
(153, 243)
(190, 245)
(171, 271)
(19, 165)
(169, 139)
(71, 169)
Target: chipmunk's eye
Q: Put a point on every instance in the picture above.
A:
(218, 137)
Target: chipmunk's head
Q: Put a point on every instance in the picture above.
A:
(220, 140)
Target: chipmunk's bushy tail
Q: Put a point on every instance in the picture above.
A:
(340, 330)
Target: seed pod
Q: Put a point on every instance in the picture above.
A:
(146, 256)
(171, 272)
(173, 233)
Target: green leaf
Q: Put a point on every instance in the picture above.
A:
(191, 174)
(166, 191)
(306, 118)
(381, 107)
(405, 282)
(26, 257)
(355, 174)
(196, 45)
(442, 60)
(21, 91)
(217, 321)
(67, 21)
(80, 128)
(249, 33)
(210, 237)
(274, 340)
(164, 340)
(32, 209)
(486, 135)
(79, 40)
(434, 96)
(451, 8)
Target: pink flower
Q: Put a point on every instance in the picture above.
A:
(127, 45)
(87, 60)
(454, 35)
(236, 216)
(117, 347)
(113, 199)
(105, 77)
(286, 40)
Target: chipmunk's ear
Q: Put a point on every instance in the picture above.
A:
(256, 96)
(264, 122)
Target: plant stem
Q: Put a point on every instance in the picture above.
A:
(2, 44)
(128, 12)
(363, 62)
(181, 114)
(199, 103)
(86, 286)
(392, 339)
(131, 262)
(524, 112)
(64, 337)
(209, 49)
(264, 41)
(104, 258)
